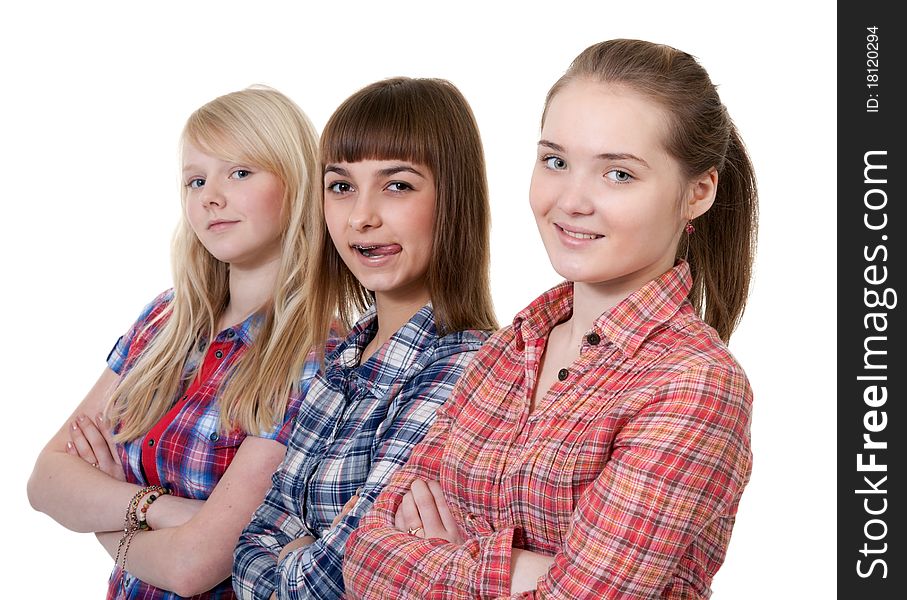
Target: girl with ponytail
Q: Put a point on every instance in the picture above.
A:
(598, 446)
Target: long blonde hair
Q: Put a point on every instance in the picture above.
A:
(266, 129)
(426, 121)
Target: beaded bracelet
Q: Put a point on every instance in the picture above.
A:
(143, 511)
(132, 523)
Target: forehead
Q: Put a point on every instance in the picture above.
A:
(223, 150)
(595, 118)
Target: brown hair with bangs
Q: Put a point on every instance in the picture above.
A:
(426, 122)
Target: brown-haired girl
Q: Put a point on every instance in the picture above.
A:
(598, 446)
(403, 237)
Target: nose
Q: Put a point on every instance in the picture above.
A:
(212, 196)
(575, 197)
(364, 214)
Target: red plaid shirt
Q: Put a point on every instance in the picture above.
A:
(628, 472)
(186, 452)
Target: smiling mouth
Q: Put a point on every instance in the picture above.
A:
(377, 250)
(579, 235)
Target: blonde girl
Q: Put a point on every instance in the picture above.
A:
(172, 449)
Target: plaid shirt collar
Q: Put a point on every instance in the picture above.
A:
(244, 333)
(627, 325)
(388, 365)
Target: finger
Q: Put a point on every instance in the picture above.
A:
(98, 443)
(399, 517)
(349, 505)
(450, 524)
(408, 513)
(107, 432)
(428, 510)
(345, 510)
(81, 444)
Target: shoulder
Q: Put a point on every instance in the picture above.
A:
(140, 333)
(698, 372)
(455, 346)
(686, 343)
(466, 340)
(151, 318)
(157, 306)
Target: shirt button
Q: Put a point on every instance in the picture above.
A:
(230, 334)
(213, 437)
(593, 338)
(562, 374)
(219, 353)
(151, 442)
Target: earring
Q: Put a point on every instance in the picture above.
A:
(689, 228)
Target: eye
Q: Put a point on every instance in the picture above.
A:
(555, 163)
(399, 186)
(339, 187)
(240, 173)
(195, 183)
(618, 176)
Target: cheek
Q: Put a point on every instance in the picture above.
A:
(195, 215)
(540, 193)
(417, 218)
(272, 206)
(425, 225)
(335, 220)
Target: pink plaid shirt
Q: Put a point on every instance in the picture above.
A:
(629, 471)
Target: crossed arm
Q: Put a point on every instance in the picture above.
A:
(189, 549)
(676, 468)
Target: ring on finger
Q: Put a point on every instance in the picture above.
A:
(414, 530)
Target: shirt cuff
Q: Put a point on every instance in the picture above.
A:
(494, 564)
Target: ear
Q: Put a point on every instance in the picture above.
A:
(702, 194)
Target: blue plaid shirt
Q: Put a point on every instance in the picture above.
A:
(356, 426)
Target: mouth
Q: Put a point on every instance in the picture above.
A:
(377, 250)
(578, 234)
(220, 224)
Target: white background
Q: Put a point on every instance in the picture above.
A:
(93, 99)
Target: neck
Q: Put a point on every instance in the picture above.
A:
(590, 300)
(250, 290)
(392, 313)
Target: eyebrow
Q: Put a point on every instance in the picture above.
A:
(332, 168)
(399, 169)
(603, 155)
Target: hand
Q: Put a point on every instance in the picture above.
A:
(425, 514)
(172, 511)
(526, 568)
(346, 509)
(92, 441)
(297, 543)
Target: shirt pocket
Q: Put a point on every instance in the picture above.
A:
(209, 454)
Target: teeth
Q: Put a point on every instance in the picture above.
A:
(365, 250)
(580, 236)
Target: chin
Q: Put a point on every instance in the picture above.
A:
(572, 271)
